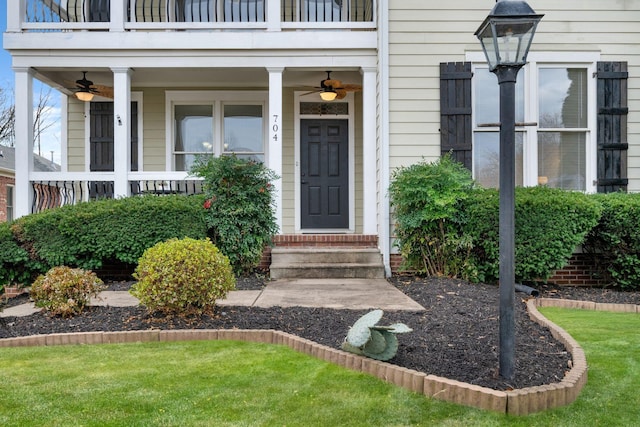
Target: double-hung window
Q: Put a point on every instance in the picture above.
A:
(555, 124)
(214, 123)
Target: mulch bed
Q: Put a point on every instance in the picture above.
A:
(456, 337)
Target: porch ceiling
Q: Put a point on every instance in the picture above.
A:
(232, 78)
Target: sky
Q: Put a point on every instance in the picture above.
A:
(50, 139)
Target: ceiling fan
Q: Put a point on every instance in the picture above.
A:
(85, 89)
(331, 89)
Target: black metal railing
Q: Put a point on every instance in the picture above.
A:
(54, 194)
(67, 10)
(327, 10)
(215, 11)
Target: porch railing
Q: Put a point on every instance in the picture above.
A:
(69, 15)
(48, 194)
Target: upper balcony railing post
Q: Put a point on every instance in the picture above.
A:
(118, 15)
(273, 15)
(16, 12)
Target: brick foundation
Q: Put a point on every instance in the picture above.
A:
(579, 271)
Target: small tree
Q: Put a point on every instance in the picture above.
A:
(239, 207)
(426, 198)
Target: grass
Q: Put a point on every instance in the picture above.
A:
(226, 383)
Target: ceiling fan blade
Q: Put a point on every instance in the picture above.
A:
(351, 87)
(332, 82)
(341, 93)
(106, 91)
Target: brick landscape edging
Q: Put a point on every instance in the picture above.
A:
(515, 402)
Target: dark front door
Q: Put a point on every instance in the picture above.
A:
(101, 137)
(324, 174)
(101, 145)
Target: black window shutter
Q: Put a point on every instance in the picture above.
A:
(455, 111)
(612, 126)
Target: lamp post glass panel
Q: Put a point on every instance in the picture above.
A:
(506, 36)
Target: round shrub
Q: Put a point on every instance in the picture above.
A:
(65, 291)
(182, 276)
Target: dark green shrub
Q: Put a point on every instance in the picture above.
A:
(239, 207)
(182, 277)
(87, 234)
(615, 242)
(550, 224)
(65, 291)
(426, 198)
(14, 260)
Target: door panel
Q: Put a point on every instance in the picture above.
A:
(101, 137)
(324, 169)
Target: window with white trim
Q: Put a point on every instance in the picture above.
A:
(10, 202)
(215, 123)
(555, 126)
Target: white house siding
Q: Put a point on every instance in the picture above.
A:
(422, 34)
(154, 129)
(288, 163)
(76, 135)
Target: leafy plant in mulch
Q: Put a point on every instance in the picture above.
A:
(368, 338)
(239, 207)
(182, 276)
(426, 200)
(65, 291)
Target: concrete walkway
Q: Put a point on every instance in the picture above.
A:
(357, 294)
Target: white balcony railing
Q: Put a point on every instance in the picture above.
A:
(126, 15)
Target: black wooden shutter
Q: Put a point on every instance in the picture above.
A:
(455, 111)
(612, 126)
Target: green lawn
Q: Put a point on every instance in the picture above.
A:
(224, 383)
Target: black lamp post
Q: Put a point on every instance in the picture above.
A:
(506, 36)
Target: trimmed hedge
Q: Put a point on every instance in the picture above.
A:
(615, 242)
(88, 234)
(13, 259)
(550, 224)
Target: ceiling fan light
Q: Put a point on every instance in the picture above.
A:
(328, 95)
(83, 95)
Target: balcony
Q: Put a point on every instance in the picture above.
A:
(163, 15)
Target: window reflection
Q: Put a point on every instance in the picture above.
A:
(194, 134)
(562, 98)
(486, 158)
(487, 97)
(561, 160)
(243, 131)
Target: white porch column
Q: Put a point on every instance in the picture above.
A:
(24, 140)
(121, 130)
(275, 135)
(369, 153)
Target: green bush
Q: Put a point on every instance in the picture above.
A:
(550, 224)
(426, 198)
(14, 260)
(65, 291)
(615, 241)
(87, 234)
(182, 277)
(239, 207)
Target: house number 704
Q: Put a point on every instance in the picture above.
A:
(275, 127)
